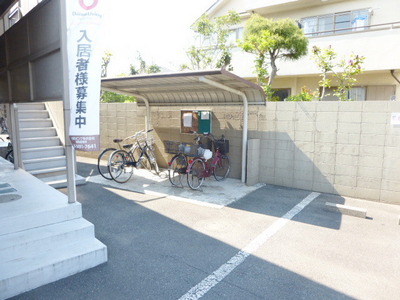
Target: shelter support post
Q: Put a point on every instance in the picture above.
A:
(144, 99)
(245, 119)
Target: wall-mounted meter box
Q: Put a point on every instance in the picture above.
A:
(196, 121)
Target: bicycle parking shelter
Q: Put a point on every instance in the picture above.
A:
(207, 87)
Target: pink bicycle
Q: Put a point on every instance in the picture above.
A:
(204, 165)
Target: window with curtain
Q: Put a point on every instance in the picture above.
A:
(336, 23)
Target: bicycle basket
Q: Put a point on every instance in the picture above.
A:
(222, 145)
(172, 147)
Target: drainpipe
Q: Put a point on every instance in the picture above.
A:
(245, 118)
(145, 100)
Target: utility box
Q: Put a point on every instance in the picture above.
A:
(196, 121)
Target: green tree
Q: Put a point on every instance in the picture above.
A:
(106, 96)
(324, 58)
(105, 60)
(212, 48)
(110, 97)
(304, 95)
(143, 67)
(271, 40)
(344, 70)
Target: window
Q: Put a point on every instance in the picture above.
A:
(336, 23)
(280, 94)
(357, 93)
(14, 17)
(235, 34)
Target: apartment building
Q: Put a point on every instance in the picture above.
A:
(370, 28)
(11, 11)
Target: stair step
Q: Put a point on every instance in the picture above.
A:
(34, 123)
(36, 269)
(47, 172)
(44, 163)
(37, 132)
(42, 238)
(33, 114)
(42, 152)
(59, 182)
(32, 106)
(34, 142)
(49, 212)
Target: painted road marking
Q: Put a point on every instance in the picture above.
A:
(218, 275)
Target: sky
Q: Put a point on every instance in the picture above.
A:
(157, 29)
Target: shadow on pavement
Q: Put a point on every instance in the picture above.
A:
(154, 257)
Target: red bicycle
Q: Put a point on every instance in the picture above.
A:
(204, 165)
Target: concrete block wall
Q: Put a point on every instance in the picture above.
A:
(346, 148)
(124, 119)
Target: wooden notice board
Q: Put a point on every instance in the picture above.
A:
(193, 121)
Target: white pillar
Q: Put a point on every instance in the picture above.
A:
(69, 149)
(245, 119)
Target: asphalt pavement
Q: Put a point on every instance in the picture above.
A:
(271, 243)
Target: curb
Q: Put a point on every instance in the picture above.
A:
(347, 210)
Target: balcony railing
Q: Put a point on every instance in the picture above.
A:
(352, 30)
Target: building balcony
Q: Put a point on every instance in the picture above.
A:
(379, 44)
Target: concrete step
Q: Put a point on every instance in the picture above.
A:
(39, 216)
(36, 269)
(44, 163)
(36, 142)
(55, 172)
(34, 123)
(31, 106)
(37, 132)
(42, 173)
(42, 152)
(33, 114)
(60, 181)
(42, 238)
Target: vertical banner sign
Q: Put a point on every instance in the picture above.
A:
(84, 20)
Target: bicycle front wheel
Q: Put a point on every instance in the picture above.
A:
(222, 168)
(176, 169)
(195, 176)
(120, 166)
(102, 162)
(152, 160)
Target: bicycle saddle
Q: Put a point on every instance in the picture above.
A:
(117, 140)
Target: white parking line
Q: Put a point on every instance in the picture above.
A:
(218, 275)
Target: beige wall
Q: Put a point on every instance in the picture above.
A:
(348, 148)
(380, 85)
(377, 45)
(122, 120)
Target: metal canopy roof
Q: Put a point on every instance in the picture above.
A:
(211, 87)
(191, 88)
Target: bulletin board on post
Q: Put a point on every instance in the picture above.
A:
(196, 121)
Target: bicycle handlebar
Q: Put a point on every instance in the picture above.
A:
(137, 134)
(208, 135)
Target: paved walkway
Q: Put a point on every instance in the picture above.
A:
(212, 193)
(273, 243)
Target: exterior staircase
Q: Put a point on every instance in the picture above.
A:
(42, 152)
(43, 238)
